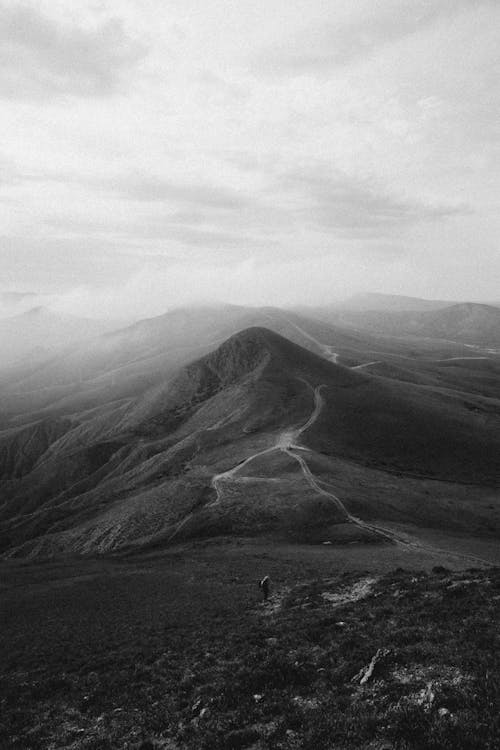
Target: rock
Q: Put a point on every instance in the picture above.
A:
(443, 711)
(204, 713)
(196, 705)
(272, 641)
(426, 696)
(258, 697)
(368, 673)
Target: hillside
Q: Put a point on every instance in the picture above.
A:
(237, 442)
(470, 323)
(391, 303)
(467, 323)
(177, 651)
(124, 363)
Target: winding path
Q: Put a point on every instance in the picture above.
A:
(392, 536)
(288, 442)
(365, 364)
(326, 349)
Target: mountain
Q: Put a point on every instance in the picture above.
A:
(39, 333)
(15, 303)
(468, 323)
(391, 303)
(246, 441)
(122, 363)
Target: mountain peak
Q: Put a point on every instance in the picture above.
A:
(255, 336)
(246, 349)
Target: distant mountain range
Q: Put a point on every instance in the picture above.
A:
(123, 362)
(37, 333)
(392, 302)
(467, 322)
(16, 303)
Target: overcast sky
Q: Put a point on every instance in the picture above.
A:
(261, 151)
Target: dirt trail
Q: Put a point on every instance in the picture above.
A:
(455, 359)
(287, 442)
(286, 439)
(400, 540)
(366, 364)
(326, 349)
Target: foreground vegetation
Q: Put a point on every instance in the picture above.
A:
(184, 655)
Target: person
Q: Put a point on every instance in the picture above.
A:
(264, 586)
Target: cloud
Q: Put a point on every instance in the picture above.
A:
(157, 288)
(154, 209)
(41, 57)
(312, 197)
(46, 263)
(339, 42)
(198, 236)
(157, 189)
(334, 201)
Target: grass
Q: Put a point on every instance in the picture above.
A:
(177, 651)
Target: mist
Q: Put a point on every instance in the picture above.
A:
(152, 292)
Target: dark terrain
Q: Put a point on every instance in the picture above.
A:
(151, 475)
(176, 651)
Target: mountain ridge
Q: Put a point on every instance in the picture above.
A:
(468, 323)
(136, 469)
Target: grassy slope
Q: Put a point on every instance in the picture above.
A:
(475, 376)
(469, 323)
(176, 651)
(141, 466)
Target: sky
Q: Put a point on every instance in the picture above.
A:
(162, 152)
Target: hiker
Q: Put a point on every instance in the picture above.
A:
(264, 585)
